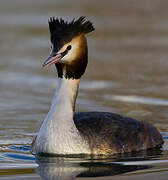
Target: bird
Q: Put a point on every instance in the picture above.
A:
(65, 132)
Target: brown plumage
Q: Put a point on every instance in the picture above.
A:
(109, 133)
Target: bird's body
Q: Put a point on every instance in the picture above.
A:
(110, 133)
(65, 132)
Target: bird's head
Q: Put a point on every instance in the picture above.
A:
(69, 46)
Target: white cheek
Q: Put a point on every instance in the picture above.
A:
(71, 55)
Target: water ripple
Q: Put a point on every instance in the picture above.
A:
(138, 99)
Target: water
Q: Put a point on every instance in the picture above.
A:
(127, 74)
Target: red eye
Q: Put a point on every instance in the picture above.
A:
(69, 47)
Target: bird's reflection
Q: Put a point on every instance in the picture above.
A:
(70, 168)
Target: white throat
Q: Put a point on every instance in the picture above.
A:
(58, 133)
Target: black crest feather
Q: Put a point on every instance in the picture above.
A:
(67, 30)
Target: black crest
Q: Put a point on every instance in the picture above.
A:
(65, 31)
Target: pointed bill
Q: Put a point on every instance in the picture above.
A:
(52, 59)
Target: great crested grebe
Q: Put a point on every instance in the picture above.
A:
(64, 132)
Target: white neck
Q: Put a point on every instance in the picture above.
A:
(58, 133)
(65, 94)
